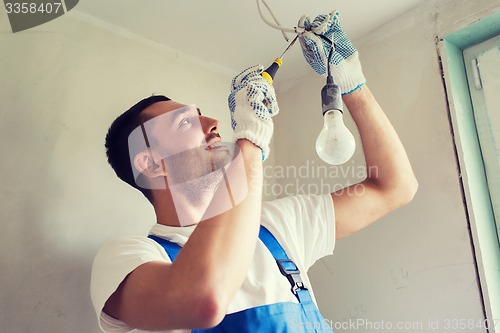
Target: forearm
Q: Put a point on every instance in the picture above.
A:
(390, 181)
(388, 166)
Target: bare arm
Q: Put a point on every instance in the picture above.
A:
(390, 181)
(195, 290)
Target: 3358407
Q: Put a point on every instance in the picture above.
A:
(33, 8)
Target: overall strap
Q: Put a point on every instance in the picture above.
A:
(171, 248)
(287, 267)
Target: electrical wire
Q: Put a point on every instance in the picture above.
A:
(274, 17)
(329, 78)
(269, 23)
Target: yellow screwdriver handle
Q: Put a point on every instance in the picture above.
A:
(270, 72)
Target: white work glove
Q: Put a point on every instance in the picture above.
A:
(316, 42)
(252, 103)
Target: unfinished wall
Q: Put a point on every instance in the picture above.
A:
(62, 85)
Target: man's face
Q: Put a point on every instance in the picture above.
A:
(180, 149)
(187, 142)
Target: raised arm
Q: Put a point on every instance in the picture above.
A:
(195, 290)
(390, 181)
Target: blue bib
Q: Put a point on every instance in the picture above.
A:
(283, 317)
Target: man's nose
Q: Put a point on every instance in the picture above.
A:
(209, 125)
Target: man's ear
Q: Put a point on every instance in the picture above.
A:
(145, 163)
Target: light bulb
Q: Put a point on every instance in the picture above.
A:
(335, 144)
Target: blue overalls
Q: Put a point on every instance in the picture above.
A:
(283, 317)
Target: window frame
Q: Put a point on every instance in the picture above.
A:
(470, 167)
(484, 123)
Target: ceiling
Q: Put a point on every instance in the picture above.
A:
(230, 33)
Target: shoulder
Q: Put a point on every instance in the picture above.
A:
(126, 247)
(115, 260)
(120, 256)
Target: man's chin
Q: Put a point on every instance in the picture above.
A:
(221, 158)
(222, 153)
(196, 190)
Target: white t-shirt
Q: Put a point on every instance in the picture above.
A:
(303, 225)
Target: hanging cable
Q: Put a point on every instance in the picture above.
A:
(269, 23)
(275, 19)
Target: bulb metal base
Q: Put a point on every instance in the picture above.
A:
(331, 97)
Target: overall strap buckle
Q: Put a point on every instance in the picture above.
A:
(292, 273)
(287, 267)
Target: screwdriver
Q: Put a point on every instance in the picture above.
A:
(270, 72)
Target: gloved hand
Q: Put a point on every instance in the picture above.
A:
(316, 42)
(252, 103)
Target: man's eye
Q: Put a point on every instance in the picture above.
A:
(185, 121)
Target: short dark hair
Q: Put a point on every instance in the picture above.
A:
(116, 143)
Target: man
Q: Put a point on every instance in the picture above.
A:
(207, 199)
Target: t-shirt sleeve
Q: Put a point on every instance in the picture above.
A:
(304, 225)
(114, 261)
